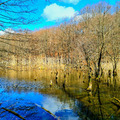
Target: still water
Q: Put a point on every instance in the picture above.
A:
(26, 99)
(29, 95)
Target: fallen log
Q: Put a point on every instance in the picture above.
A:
(116, 99)
(47, 111)
(16, 114)
(117, 103)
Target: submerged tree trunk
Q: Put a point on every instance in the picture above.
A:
(114, 68)
(88, 68)
(98, 68)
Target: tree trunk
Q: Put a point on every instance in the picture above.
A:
(115, 68)
(99, 62)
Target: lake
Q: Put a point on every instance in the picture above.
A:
(30, 96)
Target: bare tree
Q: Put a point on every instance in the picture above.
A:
(95, 30)
(114, 40)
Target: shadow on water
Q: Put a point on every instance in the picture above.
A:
(34, 97)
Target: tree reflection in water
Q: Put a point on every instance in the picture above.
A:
(68, 98)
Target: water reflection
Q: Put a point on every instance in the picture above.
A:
(22, 97)
(68, 98)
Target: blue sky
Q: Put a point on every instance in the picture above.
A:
(51, 13)
(55, 10)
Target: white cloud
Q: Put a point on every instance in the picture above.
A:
(71, 1)
(56, 12)
(8, 30)
(2, 32)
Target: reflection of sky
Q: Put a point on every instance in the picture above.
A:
(29, 99)
(54, 104)
(60, 109)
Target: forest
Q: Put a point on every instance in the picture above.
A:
(89, 41)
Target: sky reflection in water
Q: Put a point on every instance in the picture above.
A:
(22, 99)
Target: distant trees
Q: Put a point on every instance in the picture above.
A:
(89, 42)
(67, 40)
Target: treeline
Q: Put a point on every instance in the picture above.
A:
(87, 41)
